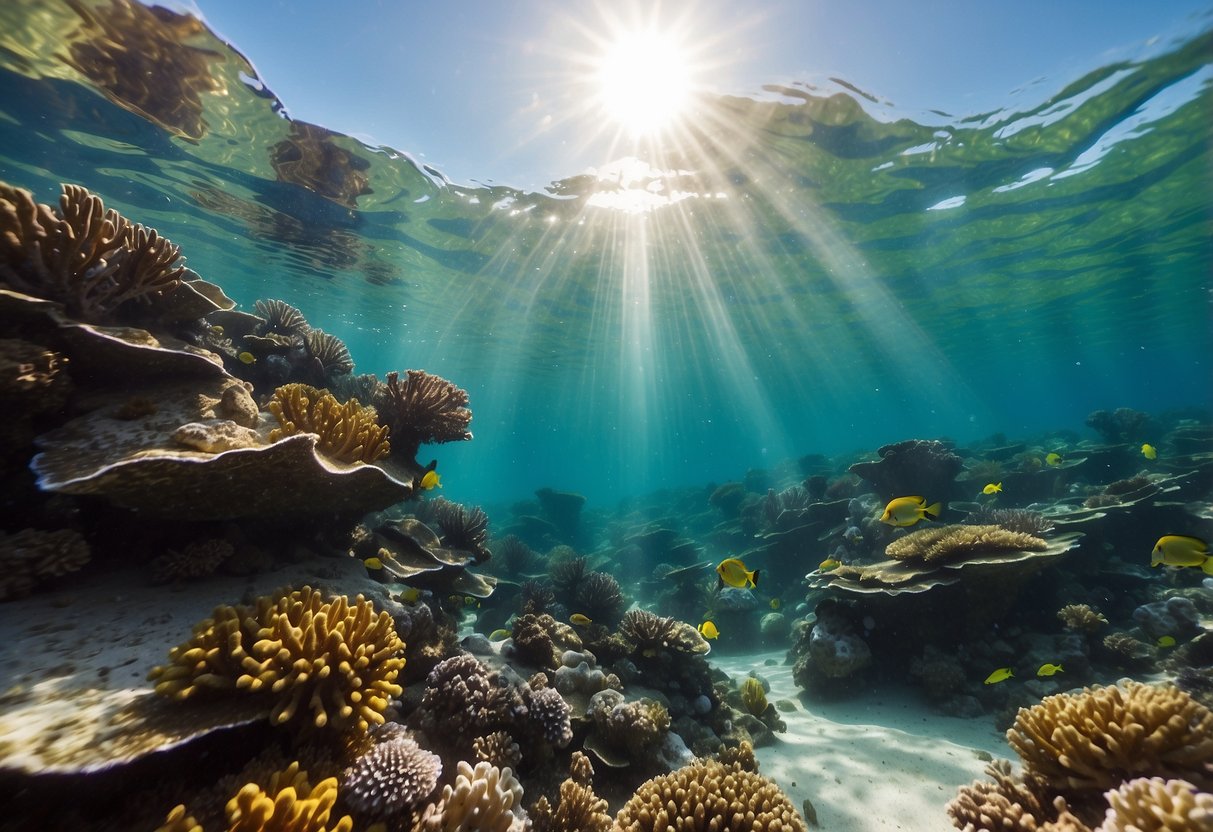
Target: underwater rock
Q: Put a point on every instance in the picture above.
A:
(216, 437)
(1176, 616)
(774, 628)
(915, 466)
(835, 650)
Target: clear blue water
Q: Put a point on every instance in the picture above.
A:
(824, 279)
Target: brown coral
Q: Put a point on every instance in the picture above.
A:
(1157, 805)
(579, 809)
(280, 318)
(754, 696)
(709, 796)
(949, 542)
(423, 409)
(1007, 804)
(497, 748)
(196, 560)
(32, 556)
(1103, 736)
(336, 659)
(482, 799)
(462, 527)
(650, 632)
(1081, 617)
(347, 432)
(330, 351)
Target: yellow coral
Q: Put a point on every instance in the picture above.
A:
(1099, 738)
(348, 432)
(339, 661)
(1157, 805)
(289, 805)
(754, 696)
(179, 820)
(947, 542)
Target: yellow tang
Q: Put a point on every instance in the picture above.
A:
(992, 488)
(906, 511)
(828, 564)
(247, 357)
(373, 563)
(430, 480)
(1049, 669)
(1149, 451)
(1053, 459)
(999, 675)
(1182, 550)
(1166, 641)
(499, 635)
(774, 603)
(579, 619)
(410, 595)
(734, 573)
(708, 630)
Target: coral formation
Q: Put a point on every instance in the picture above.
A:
(754, 696)
(1081, 617)
(579, 809)
(290, 804)
(498, 748)
(649, 633)
(946, 543)
(637, 727)
(1006, 804)
(1152, 804)
(915, 466)
(33, 556)
(329, 352)
(600, 598)
(482, 799)
(196, 560)
(423, 409)
(462, 527)
(336, 659)
(1013, 519)
(1121, 425)
(280, 318)
(391, 776)
(347, 432)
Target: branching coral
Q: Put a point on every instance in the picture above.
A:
(1007, 804)
(706, 796)
(1101, 737)
(91, 260)
(290, 804)
(1157, 805)
(637, 726)
(497, 748)
(579, 809)
(335, 659)
(196, 560)
(423, 409)
(548, 711)
(946, 543)
(1081, 617)
(32, 556)
(464, 698)
(600, 597)
(348, 432)
(390, 777)
(482, 799)
(462, 527)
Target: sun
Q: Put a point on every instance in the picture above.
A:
(644, 81)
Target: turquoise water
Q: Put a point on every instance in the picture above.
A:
(810, 274)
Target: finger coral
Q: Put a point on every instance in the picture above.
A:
(390, 777)
(1098, 738)
(290, 804)
(950, 542)
(32, 556)
(336, 659)
(1007, 804)
(348, 432)
(482, 799)
(579, 809)
(423, 409)
(709, 795)
(1157, 805)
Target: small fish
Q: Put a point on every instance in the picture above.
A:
(1182, 550)
(906, 511)
(708, 630)
(1053, 459)
(734, 573)
(1149, 451)
(373, 563)
(579, 619)
(217, 330)
(1166, 641)
(1049, 669)
(499, 635)
(431, 480)
(999, 675)
(992, 488)
(774, 603)
(247, 357)
(410, 595)
(828, 564)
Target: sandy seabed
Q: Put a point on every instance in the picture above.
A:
(872, 762)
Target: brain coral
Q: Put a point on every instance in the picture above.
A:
(338, 660)
(1103, 736)
(348, 432)
(709, 796)
(391, 776)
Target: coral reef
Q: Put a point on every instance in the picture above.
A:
(1013, 519)
(579, 809)
(915, 466)
(347, 432)
(280, 318)
(329, 352)
(390, 777)
(599, 597)
(198, 559)
(461, 527)
(482, 799)
(423, 409)
(1175, 616)
(636, 727)
(649, 633)
(1081, 617)
(1121, 425)
(944, 543)
(1006, 804)
(32, 556)
(498, 748)
(336, 659)
(1152, 804)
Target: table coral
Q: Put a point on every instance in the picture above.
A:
(348, 432)
(336, 659)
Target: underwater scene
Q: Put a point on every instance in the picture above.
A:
(821, 466)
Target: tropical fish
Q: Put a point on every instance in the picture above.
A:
(1166, 641)
(373, 563)
(906, 511)
(1047, 669)
(579, 619)
(431, 480)
(1149, 451)
(828, 564)
(708, 630)
(774, 603)
(247, 357)
(1182, 550)
(992, 488)
(217, 330)
(499, 635)
(1053, 459)
(734, 573)
(410, 595)
(999, 675)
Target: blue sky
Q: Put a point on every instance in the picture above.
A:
(496, 92)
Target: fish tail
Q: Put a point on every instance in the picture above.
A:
(932, 511)
(1206, 567)
(754, 577)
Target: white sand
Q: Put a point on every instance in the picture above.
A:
(873, 762)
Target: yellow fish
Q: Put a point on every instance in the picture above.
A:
(373, 563)
(708, 630)
(1166, 641)
(733, 572)
(410, 595)
(999, 675)
(1149, 451)
(992, 488)
(1049, 669)
(217, 330)
(579, 619)
(247, 357)
(499, 635)
(1182, 550)
(906, 511)
(828, 564)
(1053, 459)
(774, 603)
(430, 480)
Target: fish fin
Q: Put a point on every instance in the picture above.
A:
(1207, 566)
(932, 511)
(754, 578)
